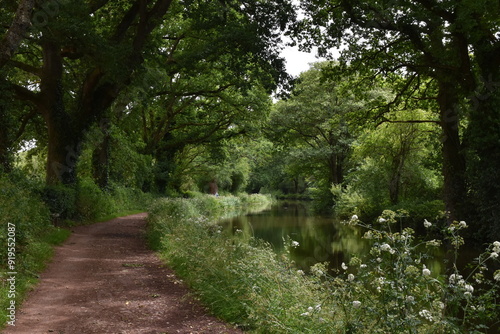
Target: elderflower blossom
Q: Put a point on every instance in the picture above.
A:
(462, 224)
(427, 224)
(356, 303)
(350, 277)
(382, 220)
(295, 244)
(426, 272)
(494, 255)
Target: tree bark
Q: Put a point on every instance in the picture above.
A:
(63, 139)
(454, 166)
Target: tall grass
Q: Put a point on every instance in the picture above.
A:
(387, 291)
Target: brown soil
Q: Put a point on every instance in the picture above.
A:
(105, 280)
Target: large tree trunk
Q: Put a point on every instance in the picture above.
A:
(454, 167)
(63, 139)
(484, 143)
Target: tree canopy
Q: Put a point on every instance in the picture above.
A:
(167, 96)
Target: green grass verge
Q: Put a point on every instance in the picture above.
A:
(243, 281)
(28, 264)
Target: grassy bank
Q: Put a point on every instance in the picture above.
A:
(388, 291)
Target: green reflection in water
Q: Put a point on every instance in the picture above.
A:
(321, 238)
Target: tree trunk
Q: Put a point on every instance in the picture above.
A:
(454, 167)
(484, 143)
(5, 142)
(63, 139)
(101, 163)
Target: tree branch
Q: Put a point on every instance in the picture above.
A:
(15, 34)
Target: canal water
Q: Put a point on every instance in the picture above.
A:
(320, 238)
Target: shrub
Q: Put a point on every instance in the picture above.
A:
(21, 206)
(61, 201)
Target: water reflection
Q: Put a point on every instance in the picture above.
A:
(321, 238)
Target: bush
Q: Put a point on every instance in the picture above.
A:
(27, 219)
(61, 201)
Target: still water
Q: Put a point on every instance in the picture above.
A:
(320, 238)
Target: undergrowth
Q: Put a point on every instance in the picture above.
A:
(390, 290)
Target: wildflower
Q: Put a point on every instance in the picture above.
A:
(469, 288)
(356, 303)
(426, 272)
(427, 224)
(385, 247)
(317, 307)
(350, 277)
(426, 315)
(440, 305)
(295, 243)
(362, 265)
(344, 266)
(300, 272)
(410, 299)
(462, 224)
(354, 217)
(496, 246)
(310, 309)
(382, 220)
(496, 276)
(368, 235)
(454, 278)
(305, 314)
(494, 255)
(434, 243)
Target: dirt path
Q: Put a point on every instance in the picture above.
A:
(105, 280)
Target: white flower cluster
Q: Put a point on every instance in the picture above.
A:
(387, 248)
(496, 275)
(295, 244)
(456, 279)
(496, 250)
(427, 224)
(426, 315)
(311, 310)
